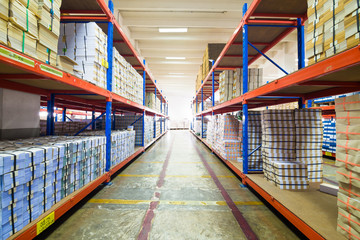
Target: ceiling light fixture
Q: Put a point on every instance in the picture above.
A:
(173, 30)
(176, 73)
(175, 58)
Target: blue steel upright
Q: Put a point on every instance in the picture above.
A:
(109, 88)
(301, 51)
(213, 86)
(144, 103)
(202, 109)
(93, 125)
(50, 125)
(155, 114)
(245, 90)
(161, 112)
(64, 115)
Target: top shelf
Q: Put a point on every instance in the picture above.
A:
(261, 17)
(98, 11)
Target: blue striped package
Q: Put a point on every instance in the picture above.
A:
(13, 195)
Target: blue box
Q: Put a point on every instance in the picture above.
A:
(49, 202)
(38, 170)
(6, 215)
(49, 179)
(37, 156)
(49, 166)
(12, 179)
(48, 192)
(28, 174)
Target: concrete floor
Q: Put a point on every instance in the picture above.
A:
(187, 205)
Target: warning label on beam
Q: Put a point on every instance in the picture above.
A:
(45, 223)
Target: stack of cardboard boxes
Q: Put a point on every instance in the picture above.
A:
(255, 140)
(333, 26)
(347, 161)
(226, 79)
(255, 80)
(227, 142)
(279, 151)
(309, 138)
(152, 102)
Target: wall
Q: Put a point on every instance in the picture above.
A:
(19, 114)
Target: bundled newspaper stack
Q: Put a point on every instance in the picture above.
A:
(227, 137)
(279, 151)
(348, 162)
(37, 173)
(329, 143)
(309, 138)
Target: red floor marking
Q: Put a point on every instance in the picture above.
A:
(236, 212)
(149, 216)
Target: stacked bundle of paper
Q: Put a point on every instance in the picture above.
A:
(122, 144)
(226, 79)
(197, 126)
(3, 31)
(85, 43)
(255, 140)
(278, 149)
(49, 30)
(348, 162)
(23, 18)
(37, 173)
(309, 137)
(329, 141)
(255, 80)
(210, 133)
(333, 26)
(21, 41)
(157, 124)
(122, 122)
(4, 9)
(126, 81)
(227, 137)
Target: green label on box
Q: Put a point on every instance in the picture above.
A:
(45, 223)
(51, 70)
(16, 57)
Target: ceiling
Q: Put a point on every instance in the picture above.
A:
(208, 21)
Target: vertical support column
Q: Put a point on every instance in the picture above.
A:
(56, 115)
(109, 88)
(161, 111)
(64, 115)
(245, 90)
(301, 52)
(144, 84)
(213, 86)
(114, 120)
(202, 109)
(93, 126)
(50, 117)
(143, 128)
(155, 114)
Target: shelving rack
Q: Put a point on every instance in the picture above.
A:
(62, 90)
(264, 25)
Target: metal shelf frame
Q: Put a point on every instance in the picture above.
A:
(273, 20)
(59, 89)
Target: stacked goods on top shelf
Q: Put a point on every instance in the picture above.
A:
(122, 144)
(329, 141)
(226, 79)
(292, 105)
(49, 30)
(39, 172)
(278, 151)
(347, 161)
(309, 137)
(226, 141)
(212, 52)
(333, 26)
(255, 80)
(85, 43)
(63, 128)
(127, 82)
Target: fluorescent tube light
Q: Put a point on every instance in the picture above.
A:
(175, 58)
(176, 73)
(173, 30)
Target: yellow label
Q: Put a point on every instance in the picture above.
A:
(45, 223)
(328, 154)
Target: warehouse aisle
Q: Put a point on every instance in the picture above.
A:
(176, 190)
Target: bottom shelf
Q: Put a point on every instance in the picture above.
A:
(312, 212)
(49, 217)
